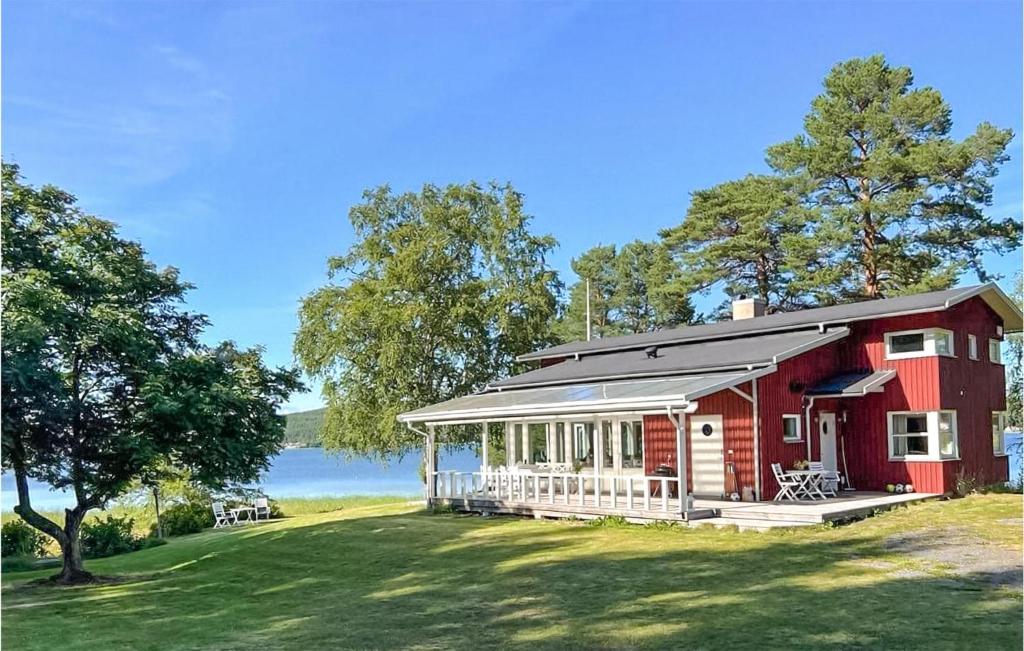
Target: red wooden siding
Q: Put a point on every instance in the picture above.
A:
(737, 421)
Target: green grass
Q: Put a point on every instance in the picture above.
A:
(391, 576)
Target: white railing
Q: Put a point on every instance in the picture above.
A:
(627, 492)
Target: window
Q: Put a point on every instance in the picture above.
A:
(921, 436)
(791, 428)
(947, 435)
(999, 433)
(538, 442)
(583, 443)
(909, 434)
(559, 443)
(607, 453)
(516, 446)
(632, 443)
(995, 353)
(972, 346)
(918, 343)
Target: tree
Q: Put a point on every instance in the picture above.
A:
(104, 377)
(901, 202)
(744, 234)
(438, 295)
(633, 289)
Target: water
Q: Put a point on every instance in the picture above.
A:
(309, 472)
(301, 472)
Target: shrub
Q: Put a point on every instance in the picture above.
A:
(188, 517)
(108, 537)
(613, 521)
(966, 484)
(18, 538)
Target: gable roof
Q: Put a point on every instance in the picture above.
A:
(695, 357)
(1001, 304)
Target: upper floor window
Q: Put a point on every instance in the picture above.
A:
(972, 346)
(923, 436)
(918, 343)
(995, 351)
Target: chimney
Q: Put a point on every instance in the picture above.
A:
(747, 308)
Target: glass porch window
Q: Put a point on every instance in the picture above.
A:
(538, 442)
(999, 433)
(607, 440)
(909, 435)
(559, 443)
(631, 443)
(583, 444)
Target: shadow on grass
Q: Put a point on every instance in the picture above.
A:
(414, 580)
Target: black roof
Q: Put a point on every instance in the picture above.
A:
(801, 319)
(678, 359)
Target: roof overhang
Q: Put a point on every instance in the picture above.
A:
(679, 392)
(852, 385)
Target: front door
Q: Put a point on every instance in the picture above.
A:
(706, 439)
(827, 439)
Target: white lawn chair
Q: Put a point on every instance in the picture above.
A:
(787, 484)
(829, 478)
(262, 506)
(221, 517)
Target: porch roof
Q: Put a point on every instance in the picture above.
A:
(852, 385)
(632, 395)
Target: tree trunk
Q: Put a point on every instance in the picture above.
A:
(156, 501)
(71, 549)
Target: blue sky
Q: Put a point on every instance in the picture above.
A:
(231, 138)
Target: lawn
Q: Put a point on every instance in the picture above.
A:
(391, 576)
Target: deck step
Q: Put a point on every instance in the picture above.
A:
(769, 514)
(750, 525)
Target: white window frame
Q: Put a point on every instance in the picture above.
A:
(799, 429)
(997, 358)
(999, 432)
(972, 347)
(929, 350)
(932, 434)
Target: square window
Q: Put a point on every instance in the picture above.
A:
(791, 427)
(943, 343)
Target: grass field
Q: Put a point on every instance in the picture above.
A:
(390, 576)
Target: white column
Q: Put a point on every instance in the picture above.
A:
(598, 456)
(430, 465)
(483, 447)
(681, 460)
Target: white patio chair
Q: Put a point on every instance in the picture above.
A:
(787, 484)
(222, 518)
(262, 506)
(829, 478)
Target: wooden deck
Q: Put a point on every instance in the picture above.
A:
(744, 515)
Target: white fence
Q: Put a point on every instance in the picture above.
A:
(628, 492)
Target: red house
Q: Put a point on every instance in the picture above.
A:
(906, 391)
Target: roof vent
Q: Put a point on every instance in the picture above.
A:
(651, 352)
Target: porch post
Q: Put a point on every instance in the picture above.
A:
(598, 459)
(757, 441)
(483, 446)
(431, 466)
(681, 461)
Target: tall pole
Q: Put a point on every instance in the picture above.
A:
(588, 309)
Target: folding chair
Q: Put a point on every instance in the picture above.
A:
(262, 506)
(787, 484)
(221, 517)
(829, 484)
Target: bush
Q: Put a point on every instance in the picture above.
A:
(18, 538)
(109, 537)
(181, 519)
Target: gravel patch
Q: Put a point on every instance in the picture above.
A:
(963, 554)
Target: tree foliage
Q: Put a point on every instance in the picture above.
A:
(744, 235)
(1015, 367)
(901, 203)
(632, 289)
(105, 380)
(440, 292)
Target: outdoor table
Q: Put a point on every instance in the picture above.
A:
(249, 510)
(810, 483)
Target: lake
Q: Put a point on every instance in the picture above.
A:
(309, 472)
(300, 472)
